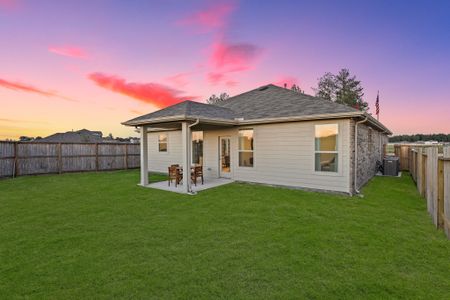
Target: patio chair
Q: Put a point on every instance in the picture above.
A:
(175, 174)
(197, 172)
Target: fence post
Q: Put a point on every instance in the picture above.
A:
(446, 217)
(59, 158)
(440, 198)
(424, 174)
(432, 183)
(126, 156)
(16, 167)
(419, 170)
(96, 156)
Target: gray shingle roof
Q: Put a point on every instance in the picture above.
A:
(189, 109)
(271, 101)
(266, 102)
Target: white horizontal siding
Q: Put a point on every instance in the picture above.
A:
(160, 161)
(283, 155)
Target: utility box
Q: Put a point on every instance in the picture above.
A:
(391, 165)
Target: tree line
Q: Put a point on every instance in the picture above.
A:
(413, 138)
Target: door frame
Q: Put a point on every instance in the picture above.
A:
(224, 174)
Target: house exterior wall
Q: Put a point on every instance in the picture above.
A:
(160, 161)
(370, 150)
(283, 155)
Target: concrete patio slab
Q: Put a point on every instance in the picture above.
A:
(208, 184)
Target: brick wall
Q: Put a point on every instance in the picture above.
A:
(370, 150)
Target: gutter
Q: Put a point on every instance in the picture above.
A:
(356, 154)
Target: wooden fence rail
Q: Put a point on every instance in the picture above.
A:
(430, 170)
(30, 158)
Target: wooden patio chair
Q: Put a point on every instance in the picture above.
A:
(175, 174)
(197, 172)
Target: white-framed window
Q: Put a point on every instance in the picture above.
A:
(197, 147)
(326, 154)
(162, 142)
(246, 148)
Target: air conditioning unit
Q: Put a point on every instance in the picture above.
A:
(391, 165)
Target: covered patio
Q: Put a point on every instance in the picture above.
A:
(186, 117)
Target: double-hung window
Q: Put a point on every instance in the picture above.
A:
(326, 147)
(246, 148)
(162, 142)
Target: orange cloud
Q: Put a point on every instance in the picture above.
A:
(16, 86)
(214, 17)
(153, 93)
(69, 51)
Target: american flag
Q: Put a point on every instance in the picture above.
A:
(377, 106)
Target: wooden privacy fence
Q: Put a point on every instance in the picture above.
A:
(29, 158)
(430, 170)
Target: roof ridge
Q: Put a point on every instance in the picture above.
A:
(314, 97)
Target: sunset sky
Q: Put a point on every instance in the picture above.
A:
(93, 64)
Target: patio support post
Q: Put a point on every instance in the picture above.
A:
(186, 151)
(144, 155)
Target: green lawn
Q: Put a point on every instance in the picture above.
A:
(99, 235)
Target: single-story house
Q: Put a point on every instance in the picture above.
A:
(269, 135)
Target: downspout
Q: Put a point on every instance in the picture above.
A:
(195, 123)
(191, 192)
(356, 154)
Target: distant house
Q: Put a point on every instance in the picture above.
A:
(79, 136)
(268, 135)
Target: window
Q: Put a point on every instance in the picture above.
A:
(197, 147)
(162, 142)
(326, 145)
(246, 148)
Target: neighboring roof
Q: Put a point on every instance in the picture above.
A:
(80, 136)
(267, 104)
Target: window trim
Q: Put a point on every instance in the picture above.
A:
(247, 151)
(166, 142)
(338, 151)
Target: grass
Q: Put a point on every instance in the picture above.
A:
(99, 235)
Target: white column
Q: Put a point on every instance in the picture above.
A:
(144, 156)
(186, 152)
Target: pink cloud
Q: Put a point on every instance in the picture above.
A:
(69, 51)
(213, 17)
(179, 79)
(16, 86)
(234, 57)
(153, 93)
(288, 80)
(215, 78)
(226, 58)
(231, 83)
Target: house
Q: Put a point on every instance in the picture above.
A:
(79, 136)
(269, 135)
